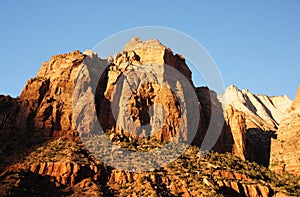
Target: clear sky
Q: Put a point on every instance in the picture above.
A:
(256, 44)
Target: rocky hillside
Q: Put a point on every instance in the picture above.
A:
(140, 100)
(64, 167)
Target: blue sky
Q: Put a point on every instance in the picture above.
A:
(256, 44)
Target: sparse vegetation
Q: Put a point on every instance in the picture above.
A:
(194, 172)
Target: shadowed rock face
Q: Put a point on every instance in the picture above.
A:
(212, 123)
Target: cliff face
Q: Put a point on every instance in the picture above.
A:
(285, 148)
(48, 102)
(45, 104)
(237, 124)
(262, 115)
(152, 51)
(132, 97)
(13, 114)
(140, 94)
(51, 93)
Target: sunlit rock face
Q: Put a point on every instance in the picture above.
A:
(285, 149)
(147, 92)
(262, 111)
(262, 116)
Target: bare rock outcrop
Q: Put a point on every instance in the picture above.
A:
(48, 103)
(14, 115)
(285, 149)
(213, 132)
(262, 116)
(152, 51)
(51, 92)
(262, 111)
(237, 124)
(143, 93)
(63, 173)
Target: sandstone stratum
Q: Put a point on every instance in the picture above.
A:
(141, 99)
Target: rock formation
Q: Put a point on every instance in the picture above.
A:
(213, 132)
(262, 111)
(262, 116)
(285, 149)
(51, 91)
(13, 114)
(143, 94)
(237, 124)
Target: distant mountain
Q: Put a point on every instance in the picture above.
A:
(262, 111)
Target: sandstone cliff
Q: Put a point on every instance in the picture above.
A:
(143, 95)
(262, 115)
(237, 124)
(285, 149)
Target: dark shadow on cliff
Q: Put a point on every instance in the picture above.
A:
(15, 148)
(25, 183)
(18, 137)
(212, 115)
(229, 192)
(258, 145)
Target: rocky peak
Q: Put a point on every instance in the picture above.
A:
(152, 51)
(137, 43)
(263, 112)
(51, 95)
